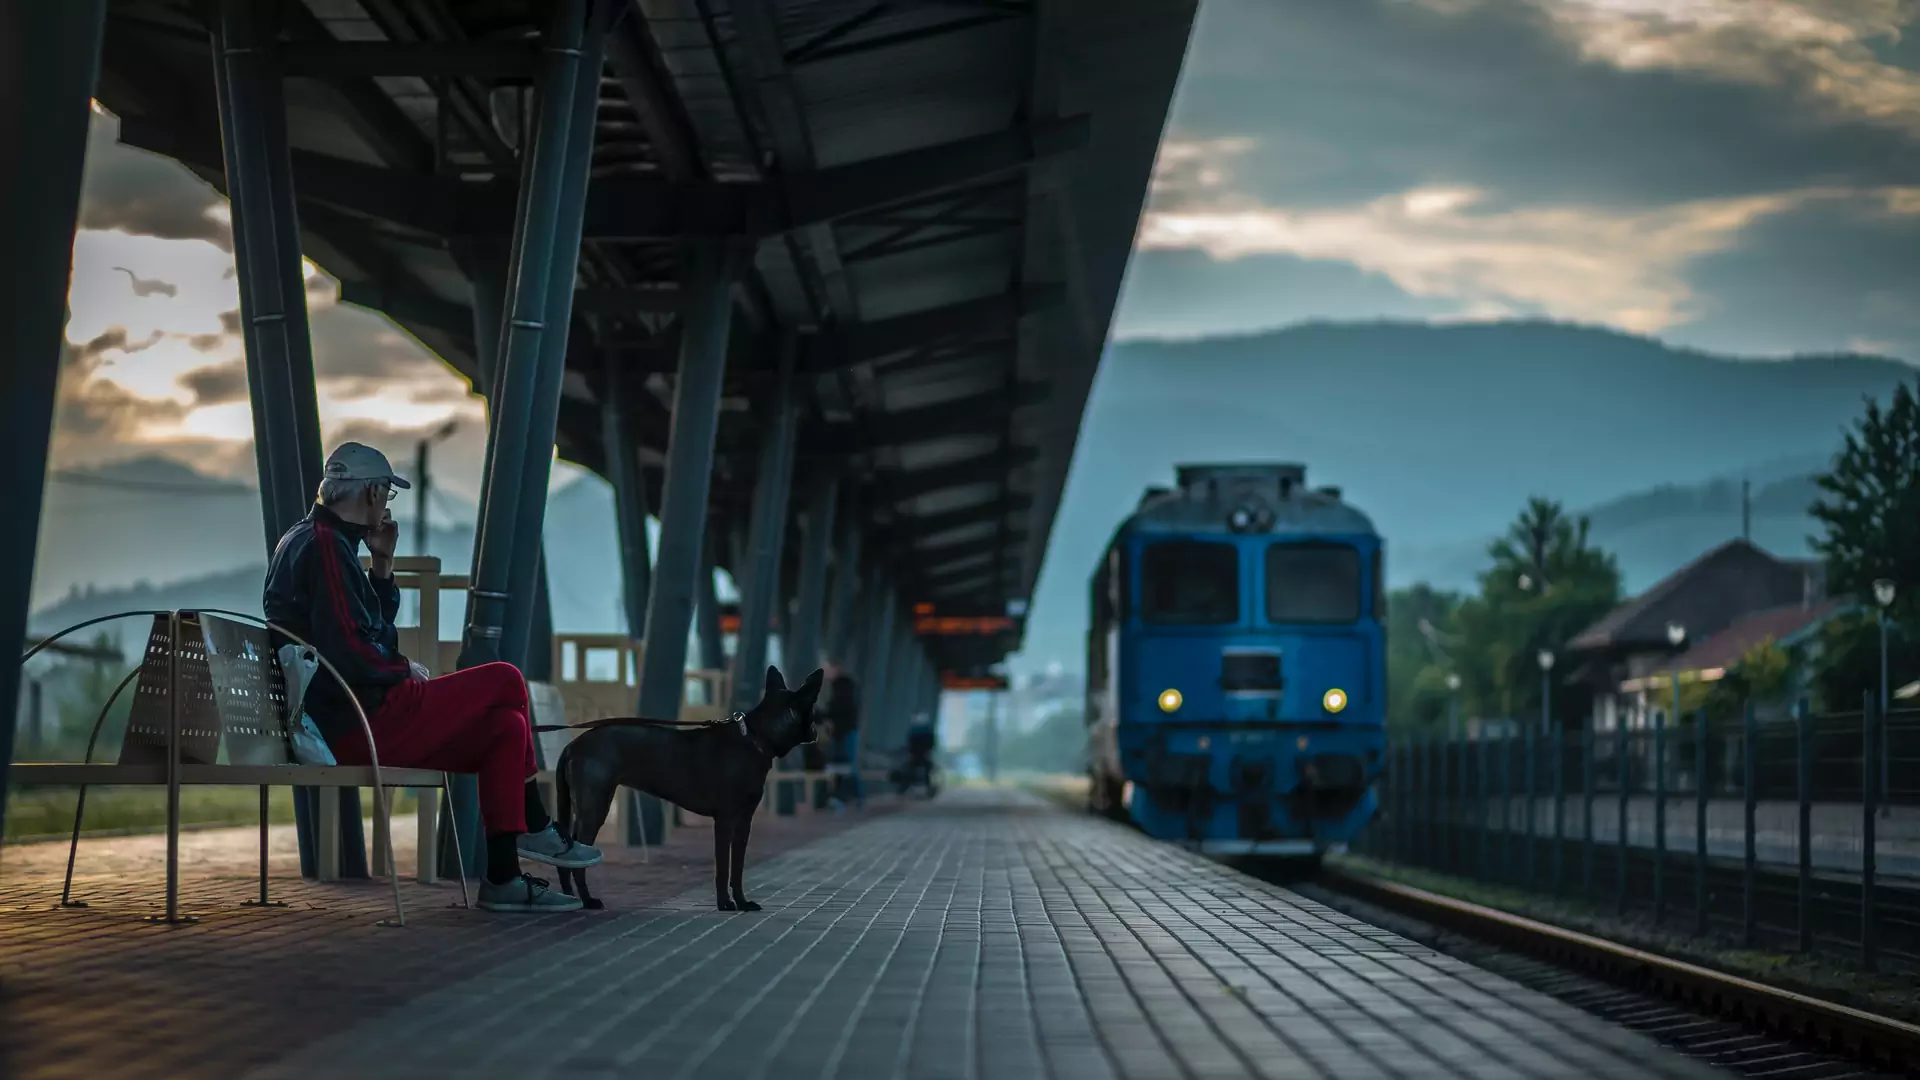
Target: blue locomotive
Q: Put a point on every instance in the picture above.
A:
(1236, 665)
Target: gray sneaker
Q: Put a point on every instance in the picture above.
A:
(548, 846)
(524, 893)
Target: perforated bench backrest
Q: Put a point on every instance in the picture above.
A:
(233, 703)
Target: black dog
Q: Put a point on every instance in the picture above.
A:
(717, 770)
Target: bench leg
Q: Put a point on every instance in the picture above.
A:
(329, 798)
(427, 829)
(383, 847)
(263, 901)
(382, 855)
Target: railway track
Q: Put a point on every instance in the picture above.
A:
(1745, 1027)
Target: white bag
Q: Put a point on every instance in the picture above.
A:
(297, 667)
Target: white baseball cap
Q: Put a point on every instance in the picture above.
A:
(358, 461)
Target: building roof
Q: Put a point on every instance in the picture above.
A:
(941, 202)
(1780, 625)
(1706, 595)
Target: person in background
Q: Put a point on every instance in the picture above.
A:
(472, 721)
(842, 711)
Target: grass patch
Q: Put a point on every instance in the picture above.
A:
(1831, 978)
(44, 813)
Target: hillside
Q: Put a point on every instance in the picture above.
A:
(1441, 433)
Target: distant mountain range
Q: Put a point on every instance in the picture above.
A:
(1654, 532)
(1440, 433)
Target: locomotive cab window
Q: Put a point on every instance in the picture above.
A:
(1190, 583)
(1313, 583)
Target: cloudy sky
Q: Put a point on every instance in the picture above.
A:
(1740, 175)
(154, 361)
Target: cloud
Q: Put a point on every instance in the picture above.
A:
(133, 191)
(1624, 268)
(1183, 292)
(1826, 275)
(217, 385)
(1341, 102)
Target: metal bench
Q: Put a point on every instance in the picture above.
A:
(210, 708)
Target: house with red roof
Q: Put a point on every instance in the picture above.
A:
(1723, 603)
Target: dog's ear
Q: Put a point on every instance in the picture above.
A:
(774, 681)
(809, 691)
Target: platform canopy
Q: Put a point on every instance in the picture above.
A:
(940, 197)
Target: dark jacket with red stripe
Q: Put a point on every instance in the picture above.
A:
(316, 589)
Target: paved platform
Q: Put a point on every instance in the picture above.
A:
(985, 935)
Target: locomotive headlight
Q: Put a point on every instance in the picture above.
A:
(1170, 700)
(1333, 700)
(1241, 519)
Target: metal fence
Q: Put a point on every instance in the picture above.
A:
(1801, 833)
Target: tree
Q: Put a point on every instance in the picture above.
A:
(1871, 509)
(1871, 505)
(1419, 620)
(1547, 583)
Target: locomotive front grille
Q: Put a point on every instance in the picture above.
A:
(1257, 672)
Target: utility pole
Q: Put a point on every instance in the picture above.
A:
(1746, 510)
(423, 482)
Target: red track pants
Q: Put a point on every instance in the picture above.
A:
(472, 721)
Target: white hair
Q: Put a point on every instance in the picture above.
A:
(333, 492)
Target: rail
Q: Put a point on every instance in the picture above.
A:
(1853, 1032)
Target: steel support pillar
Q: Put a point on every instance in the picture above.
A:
(842, 611)
(527, 582)
(713, 646)
(801, 645)
(539, 254)
(49, 58)
(766, 536)
(706, 324)
(629, 493)
(485, 264)
(273, 316)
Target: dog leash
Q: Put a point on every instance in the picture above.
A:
(642, 721)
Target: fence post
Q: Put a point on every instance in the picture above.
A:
(1620, 835)
(1433, 802)
(1559, 745)
(1700, 793)
(1803, 754)
(1530, 746)
(1750, 771)
(1659, 817)
(1871, 723)
(1484, 783)
(1457, 810)
(1587, 740)
(1506, 806)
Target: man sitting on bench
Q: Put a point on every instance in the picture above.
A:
(472, 721)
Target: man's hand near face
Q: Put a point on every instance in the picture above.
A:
(382, 539)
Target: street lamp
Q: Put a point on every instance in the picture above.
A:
(1453, 702)
(1545, 659)
(1883, 595)
(1676, 636)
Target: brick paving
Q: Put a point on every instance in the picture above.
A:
(987, 935)
(100, 992)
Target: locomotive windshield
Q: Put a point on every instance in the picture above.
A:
(1190, 583)
(1313, 583)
